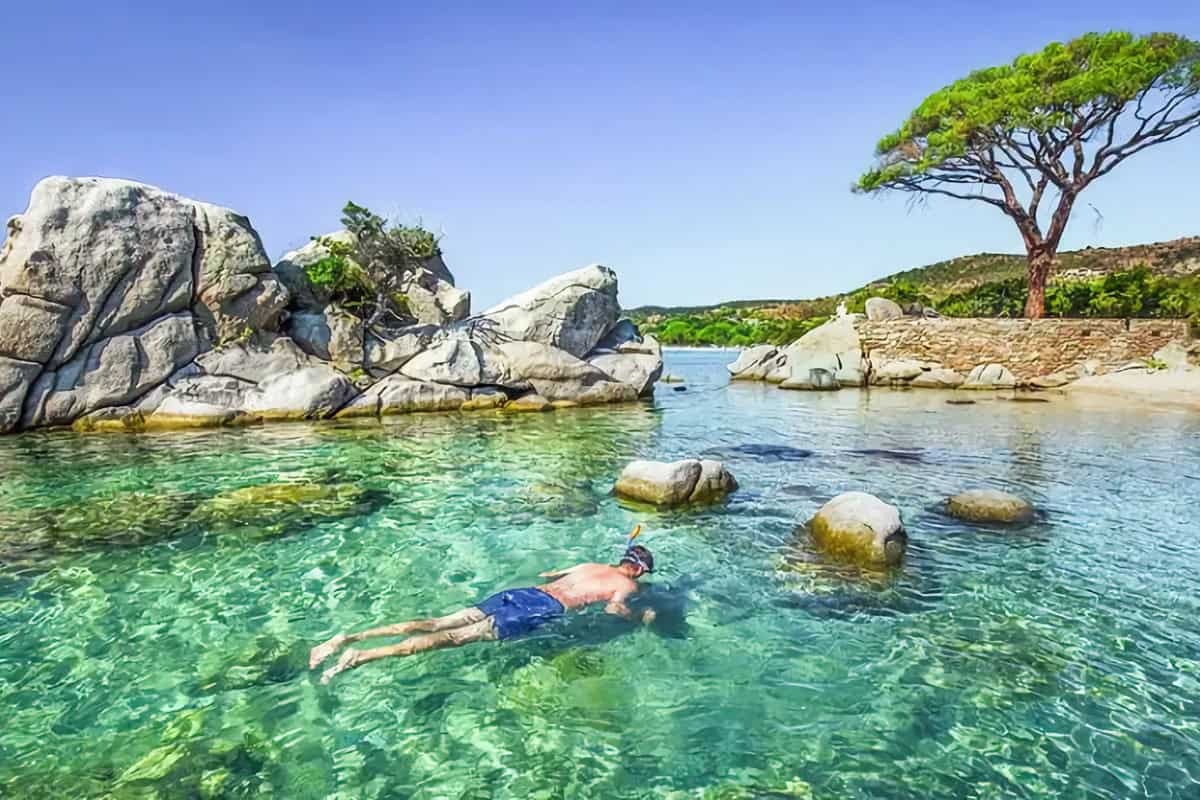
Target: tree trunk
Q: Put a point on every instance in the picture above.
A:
(1040, 262)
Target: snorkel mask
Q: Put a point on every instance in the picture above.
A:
(637, 555)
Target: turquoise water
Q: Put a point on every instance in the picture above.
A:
(157, 615)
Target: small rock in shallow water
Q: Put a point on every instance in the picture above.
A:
(663, 484)
(960, 401)
(911, 456)
(989, 505)
(767, 452)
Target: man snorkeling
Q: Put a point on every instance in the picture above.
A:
(507, 614)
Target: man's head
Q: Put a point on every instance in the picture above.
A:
(637, 561)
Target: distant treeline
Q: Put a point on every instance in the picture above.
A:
(1136, 292)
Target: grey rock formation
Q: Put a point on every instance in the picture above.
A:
(560, 377)
(753, 363)
(124, 307)
(937, 378)
(675, 483)
(880, 308)
(398, 394)
(390, 350)
(638, 364)
(572, 312)
(109, 286)
(333, 335)
(432, 297)
(989, 376)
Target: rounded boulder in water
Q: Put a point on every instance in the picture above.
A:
(859, 528)
(989, 505)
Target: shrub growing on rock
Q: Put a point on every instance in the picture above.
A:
(368, 273)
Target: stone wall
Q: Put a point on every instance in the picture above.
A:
(1029, 348)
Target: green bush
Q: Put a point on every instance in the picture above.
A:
(367, 276)
(1128, 293)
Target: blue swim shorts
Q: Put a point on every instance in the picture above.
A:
(516, 612)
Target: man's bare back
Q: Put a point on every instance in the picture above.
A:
(586, 584)
(504, 615)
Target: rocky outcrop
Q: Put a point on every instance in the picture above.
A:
(126, 307)
(675, 483)
(827, 357)
(859, 528)
(989, 505)
(109, 286)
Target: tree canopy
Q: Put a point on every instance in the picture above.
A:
(1029, 136)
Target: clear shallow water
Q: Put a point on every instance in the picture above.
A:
(154, 639)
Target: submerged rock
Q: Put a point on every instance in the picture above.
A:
(675, 483)
(124, 519)
(766, 452)
(989, 505)
(272, 509)
(859, 528)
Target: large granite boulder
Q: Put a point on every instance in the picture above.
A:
(989, 505)
(109, 286)
(558, 376)
(989, 376)
(398, 394)
(431, 296)
(332, 334)
(388, 351)
(937, 378)
(572, 312)
(827, 357)
(754, 363)
(675, 483)
(860, 528)
(880, 308)
(638, 364)
(198, 399)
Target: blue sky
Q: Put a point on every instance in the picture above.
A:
(703, 151)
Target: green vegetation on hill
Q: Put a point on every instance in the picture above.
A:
(726, 327)
(1155, 280)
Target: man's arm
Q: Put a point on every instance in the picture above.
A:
(617, 607)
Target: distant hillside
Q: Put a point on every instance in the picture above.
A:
(1178, 258)
(1160, 279)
